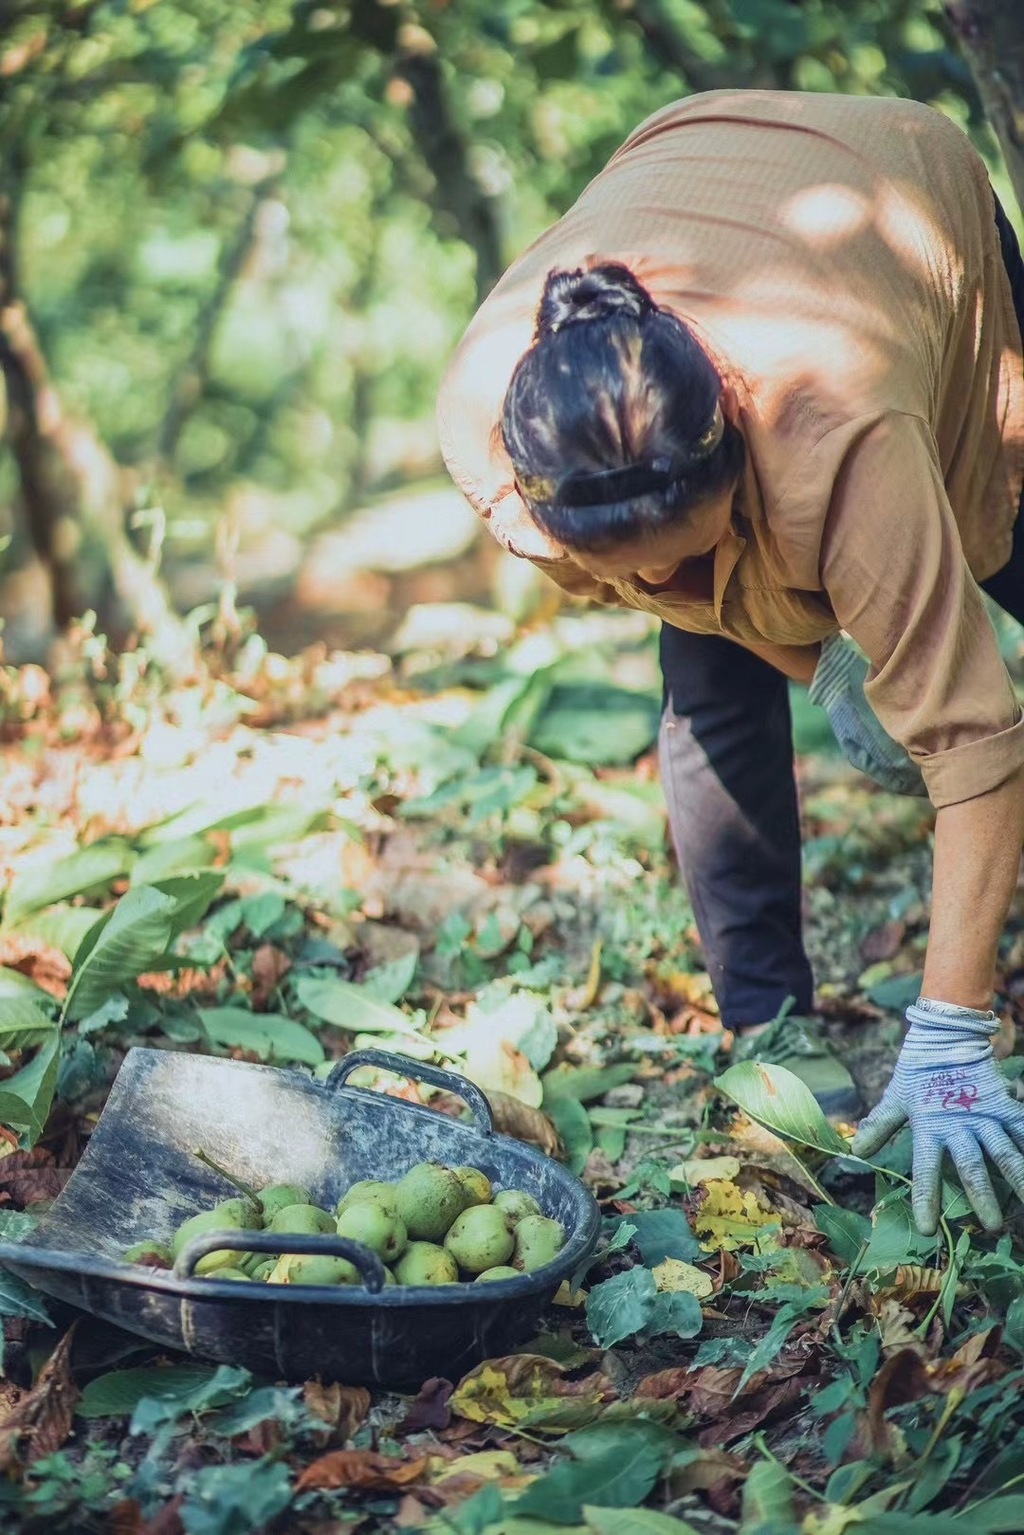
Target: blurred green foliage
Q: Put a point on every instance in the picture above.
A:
(249, 232)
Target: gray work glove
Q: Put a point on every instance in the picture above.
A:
(947, 1084)
(838, 687)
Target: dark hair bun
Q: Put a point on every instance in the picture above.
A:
(596, 294)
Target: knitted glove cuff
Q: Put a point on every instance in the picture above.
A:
(929, 1014)
(840, 668)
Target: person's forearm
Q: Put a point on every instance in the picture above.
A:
(977, 860)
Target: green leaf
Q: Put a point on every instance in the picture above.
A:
(15, 1225)
(192, 895)
(117, 1394)
(61, 927)
(349, 1007)
(897, 992)
(675, 1312)
(584, 1083)
(20, 1016)
(622, 1306)
(634, 1521)
(26, 1097)
(137, 933)
(228, 1500)
(621, 1476)
(14, 984)
(226, 1384)
(92, 868)
(777, 1098)
(185, 855)
(768, 1496)
(271, 1036)
(895, 1238)
(846, 1230)
(19, 1299)
(569, 1118)
(596, 724)
(662, 1234)
(389, 983)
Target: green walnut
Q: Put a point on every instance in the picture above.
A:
(476, 1184)
(229, 1273)
(517, 1204)
(154, 1255)
(302, 1220)
(424, 1263)
(278, 1196)
(370, 1191)
(316, 1268)
(480, 1239)
(262, 1271)
(229, 1215)
(502, 1271)
(430, 1196)
(538, 1241)
(370, 1224)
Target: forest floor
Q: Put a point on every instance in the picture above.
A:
(458, 852)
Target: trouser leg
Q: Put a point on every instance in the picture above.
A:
(726, 754)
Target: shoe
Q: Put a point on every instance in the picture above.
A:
(800, 1045)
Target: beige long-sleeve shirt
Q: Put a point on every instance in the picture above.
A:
(838, 259)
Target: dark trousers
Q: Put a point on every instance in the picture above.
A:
(726, 754)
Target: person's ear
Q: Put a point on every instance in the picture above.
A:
(730, 404)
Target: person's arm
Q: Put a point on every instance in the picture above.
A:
(977, 861)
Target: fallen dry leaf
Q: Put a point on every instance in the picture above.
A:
(342, 1408)
(40, 1421)
(511, 1117)
(902, 1378)
(269, 965)
(361, 1470)
(430, 1409)
(27, 1176)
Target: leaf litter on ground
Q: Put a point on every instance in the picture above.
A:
(228, 888)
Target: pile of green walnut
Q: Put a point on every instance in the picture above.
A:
(437, 1225)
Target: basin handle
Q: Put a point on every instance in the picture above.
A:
(370, 1267)
(418, 1071)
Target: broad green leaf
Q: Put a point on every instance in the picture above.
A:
(138, 933)
(226, 1384)
(20, 1016)
(621, 1477)
(662, 1234)
(19, 1299)
(768, 1496)
(117, 1394)
(91, 868)
(846, 1230)
(569, 1118)
(192, 895)
(895, 1238)
(227, 1500)
(271, 1036)
(389, 983)
(596, 724)
(15, 1225)
(26, 1097)
(777, 1098)
(634, 1521)
(677, 1312)
(61, 927)
(14, 984)
(186, 855)
(584, 1082)
(621, 1306)
(347, 1006)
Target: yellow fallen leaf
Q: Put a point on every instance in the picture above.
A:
(488, 1465)
(702, 1169)
(673, 1274)
(731, 1217)
(563, 1296)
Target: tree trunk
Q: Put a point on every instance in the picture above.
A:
(74, 495)
(446, 153)
(991, 36)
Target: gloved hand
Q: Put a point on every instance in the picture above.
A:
(946, 1082)
(838, 687)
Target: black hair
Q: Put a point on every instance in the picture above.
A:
(612, 418)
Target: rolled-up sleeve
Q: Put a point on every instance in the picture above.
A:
(899, 584)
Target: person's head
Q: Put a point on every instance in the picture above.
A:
(613, 422)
